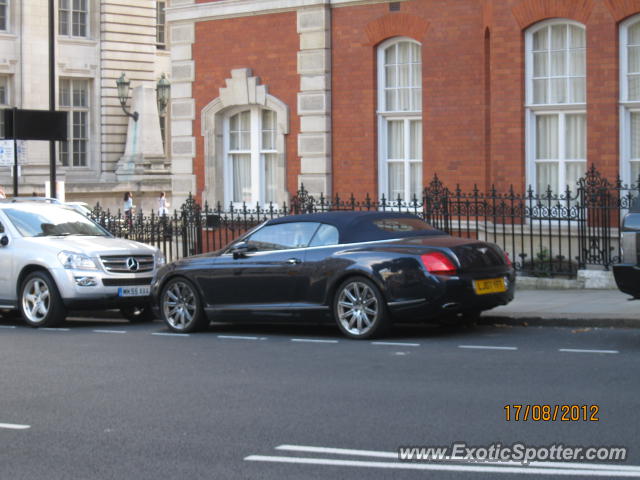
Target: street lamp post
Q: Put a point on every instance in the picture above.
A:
(52, 102)
(123, 95)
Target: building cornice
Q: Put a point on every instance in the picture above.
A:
(244, 8)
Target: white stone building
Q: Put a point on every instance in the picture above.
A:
(95, 41)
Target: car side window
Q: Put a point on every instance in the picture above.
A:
(1, 228)
(402, 224)
(326, 235)
(283, 236)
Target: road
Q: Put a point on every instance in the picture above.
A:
(103, 399)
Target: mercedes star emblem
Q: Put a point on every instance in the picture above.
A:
(132, 264)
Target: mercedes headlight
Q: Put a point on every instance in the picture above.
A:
(160, 260)
(76, 261)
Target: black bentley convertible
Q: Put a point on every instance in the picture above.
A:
(367, 269)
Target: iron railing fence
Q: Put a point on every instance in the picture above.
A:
(545, 233)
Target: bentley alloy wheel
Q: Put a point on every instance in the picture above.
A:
(180, 306)
(359, 308)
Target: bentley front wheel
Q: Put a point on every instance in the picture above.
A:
(180, 307)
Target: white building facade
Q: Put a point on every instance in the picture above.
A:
(95, 41)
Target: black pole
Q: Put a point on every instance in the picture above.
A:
(15, 155)
(52, 97)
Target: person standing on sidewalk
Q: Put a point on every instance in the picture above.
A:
(128, 208)
(163, 205)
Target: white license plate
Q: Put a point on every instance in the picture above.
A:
(134, 291)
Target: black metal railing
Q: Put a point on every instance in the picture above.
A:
(545, 233)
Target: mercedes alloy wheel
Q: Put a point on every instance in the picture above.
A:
(40, 303)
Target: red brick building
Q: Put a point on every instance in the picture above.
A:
(350, 96)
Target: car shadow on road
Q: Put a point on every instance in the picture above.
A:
(319, 330)
(78, 320)
(330, 332)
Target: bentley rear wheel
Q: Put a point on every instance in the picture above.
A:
(359, 309)
(181, 308)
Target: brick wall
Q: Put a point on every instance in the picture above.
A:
(223, 45)
(509, 21)
(473, 124)
(451, 35)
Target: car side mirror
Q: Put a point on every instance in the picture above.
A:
(4, 241)
(240, 250)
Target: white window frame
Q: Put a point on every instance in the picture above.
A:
(87, 20)
(626, 106)
(385, 116)
(531, 110)
(258, 187)
(406, 161)
(70, 109)
(7, 17)
(161, 6)
(5, 81)
(561, 160)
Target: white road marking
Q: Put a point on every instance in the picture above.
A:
(14, 426)
(240, 337)
(338, 451)
(110, 331)
(313, 340)
(579, 350)
(161, 334)
(396, 344)
(487, 347)
(49, 329)
(394, 455)
(583, 472)
(7, 326)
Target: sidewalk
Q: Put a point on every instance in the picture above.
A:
(573, 308)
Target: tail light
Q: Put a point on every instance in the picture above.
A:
(507, 260)
(438, 263)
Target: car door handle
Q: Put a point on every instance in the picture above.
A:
(294, 261)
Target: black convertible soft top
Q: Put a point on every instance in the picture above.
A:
(354, 226)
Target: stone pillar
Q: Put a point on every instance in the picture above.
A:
(314, 99)
(183, 142)
(144, 152)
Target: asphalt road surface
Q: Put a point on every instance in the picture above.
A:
(103, 399)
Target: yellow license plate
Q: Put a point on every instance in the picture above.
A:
(489, 285)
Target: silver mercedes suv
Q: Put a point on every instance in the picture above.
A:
(53, 259)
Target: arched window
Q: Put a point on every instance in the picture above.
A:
(556, 121)
(250, 144)
(630, 100)
(245, 149)
(400, 118)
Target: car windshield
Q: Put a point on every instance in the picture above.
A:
(80, 208)
(49, 220)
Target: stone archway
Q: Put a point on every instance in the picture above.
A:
(241, 89)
